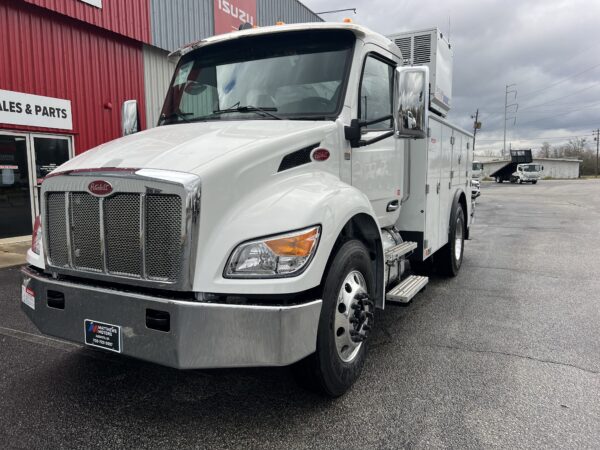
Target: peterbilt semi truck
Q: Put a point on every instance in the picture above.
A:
(300, 177)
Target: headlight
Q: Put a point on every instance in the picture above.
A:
(36, 236)
(274, 257)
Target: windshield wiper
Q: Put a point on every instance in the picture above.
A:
(175, 115)
(249, 109)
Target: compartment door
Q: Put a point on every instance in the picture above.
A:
(432, 212)
(446, 163)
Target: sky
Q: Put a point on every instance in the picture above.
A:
(549, 49)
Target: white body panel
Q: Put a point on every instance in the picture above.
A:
(436, 165)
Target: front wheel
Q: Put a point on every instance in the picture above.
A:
(534, 181)
(344, 325)
(451, 255)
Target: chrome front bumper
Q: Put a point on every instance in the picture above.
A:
(201, 335)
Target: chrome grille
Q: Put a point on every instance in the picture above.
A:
(122, 228)
(57, 225)
(133, 235)
(161, 262)
(86, 250)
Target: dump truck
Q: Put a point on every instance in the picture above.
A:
(297, 178)
(507, 171)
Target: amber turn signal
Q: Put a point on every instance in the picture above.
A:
(299, 245)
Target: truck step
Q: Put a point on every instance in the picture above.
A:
(407, 289)
(399, 250)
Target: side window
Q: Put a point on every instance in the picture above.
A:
(376, 90)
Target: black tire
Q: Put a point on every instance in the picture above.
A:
(448, 262)
(513, 180)
(534, 181)
(324, 371)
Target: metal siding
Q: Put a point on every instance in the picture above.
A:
(179, 22)
(158, 71)
(288, 11)
(129, 18)
(52, 56)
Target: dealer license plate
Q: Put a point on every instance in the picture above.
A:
(102, 335)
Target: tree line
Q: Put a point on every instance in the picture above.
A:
(577, 148)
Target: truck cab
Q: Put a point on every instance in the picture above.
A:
(299, 178)
(527, 173)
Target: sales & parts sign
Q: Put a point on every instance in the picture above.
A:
(230, 14)
(17, 108)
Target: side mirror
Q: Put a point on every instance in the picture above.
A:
(412, 95)
(129, 118)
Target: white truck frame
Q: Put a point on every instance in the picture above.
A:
(255, 241)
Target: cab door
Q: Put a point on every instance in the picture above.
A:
(377, 168)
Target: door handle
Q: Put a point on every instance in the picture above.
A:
(438, 188)
(393, 206)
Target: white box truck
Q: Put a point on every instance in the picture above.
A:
(296, 175)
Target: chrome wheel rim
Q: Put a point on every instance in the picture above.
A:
(346, 316)
(458, 239)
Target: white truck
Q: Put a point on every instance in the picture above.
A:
(477, 173)
(527, 173)
(296, 171)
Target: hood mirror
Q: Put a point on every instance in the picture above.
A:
(412, 96)
(130, 117)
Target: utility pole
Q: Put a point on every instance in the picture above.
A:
(597, 139)
(506, 106)
(476, 126)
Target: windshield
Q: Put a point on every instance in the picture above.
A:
(531, 168)
(297, 75)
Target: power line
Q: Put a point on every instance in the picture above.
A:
(337, 11)
(547, 138)
(561, 81)
(547, 115)
(558, 98)
(563, 110)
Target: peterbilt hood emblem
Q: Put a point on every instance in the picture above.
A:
(100, 188)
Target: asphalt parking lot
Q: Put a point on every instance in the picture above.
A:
(505, 355)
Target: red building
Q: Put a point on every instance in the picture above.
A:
(67, 66)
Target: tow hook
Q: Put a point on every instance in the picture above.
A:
(362, 318)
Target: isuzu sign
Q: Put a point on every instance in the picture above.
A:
(100, 188)
(230, 14)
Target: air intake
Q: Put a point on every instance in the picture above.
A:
(422, 49)
(429, 48)
(405, 45)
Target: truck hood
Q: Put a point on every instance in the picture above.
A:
(187, 147)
